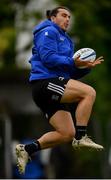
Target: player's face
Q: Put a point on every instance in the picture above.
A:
(62, 19)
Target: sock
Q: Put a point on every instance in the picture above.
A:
(32, 148)
(80, 132)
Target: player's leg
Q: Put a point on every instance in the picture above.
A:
(84, 95)
(64, 131)
(75, 91)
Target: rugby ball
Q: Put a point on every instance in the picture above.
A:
(86, 54)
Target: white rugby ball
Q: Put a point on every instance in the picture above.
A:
(86, 54)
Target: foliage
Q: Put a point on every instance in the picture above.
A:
(7, 39)
(7, 33)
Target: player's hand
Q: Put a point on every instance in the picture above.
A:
(97, 61)
(87, 64)
(79, 63)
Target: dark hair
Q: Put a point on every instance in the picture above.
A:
(53, 12)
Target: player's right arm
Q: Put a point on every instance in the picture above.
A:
(46, 43)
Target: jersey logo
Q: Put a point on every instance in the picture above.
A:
(55, 97)
(61, 38)
(61, 78)
(46, 33)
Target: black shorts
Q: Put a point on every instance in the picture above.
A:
(47, 94)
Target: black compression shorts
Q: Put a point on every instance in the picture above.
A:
(47, 94)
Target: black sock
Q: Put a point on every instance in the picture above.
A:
(80, 132)
(32, 148)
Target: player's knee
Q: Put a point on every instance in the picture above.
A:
(69, 135)
(92, 93)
